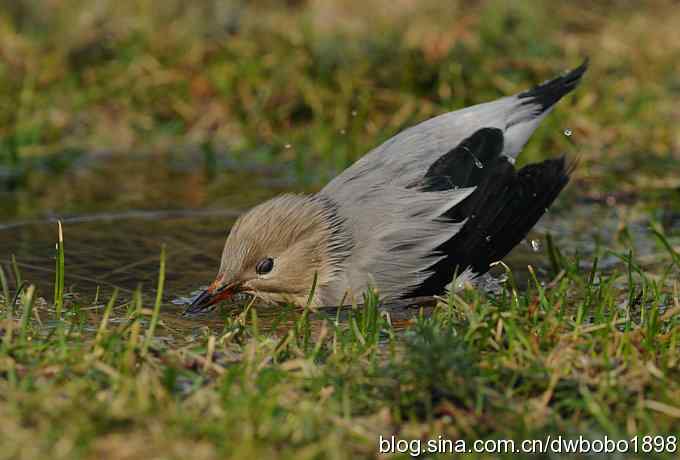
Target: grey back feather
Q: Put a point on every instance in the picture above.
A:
(385, 212)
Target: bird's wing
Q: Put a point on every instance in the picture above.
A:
(394, 198)
(404, 158)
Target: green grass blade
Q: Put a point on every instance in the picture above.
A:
(59, 275)
(5, 288)
(27, 301)
(105, 317)
(157, 304)
(667, 245)
(129, 356)
(17, 295)
(15, 270)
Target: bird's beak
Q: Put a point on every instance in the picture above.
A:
(209, 297)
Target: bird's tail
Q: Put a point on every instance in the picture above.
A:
(533, 105)
(545, 95)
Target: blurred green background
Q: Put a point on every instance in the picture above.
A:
(146, 123)
(319, 83)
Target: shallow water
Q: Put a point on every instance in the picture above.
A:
(118, 211)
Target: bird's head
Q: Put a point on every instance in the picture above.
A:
(276, 250)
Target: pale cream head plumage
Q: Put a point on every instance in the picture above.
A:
(299, 234)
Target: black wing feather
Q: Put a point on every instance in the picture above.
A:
(500, 212)
(547, 94)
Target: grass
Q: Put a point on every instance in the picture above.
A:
(59, 275)
(592, 352)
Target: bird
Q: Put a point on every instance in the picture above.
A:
(438, 202)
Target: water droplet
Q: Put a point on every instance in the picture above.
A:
(568, 132)
(488, 238)
(287, 146)
(478, 163)
(535, 245)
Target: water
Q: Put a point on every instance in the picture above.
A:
(118, 211)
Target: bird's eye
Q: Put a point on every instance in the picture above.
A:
(264, 266)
